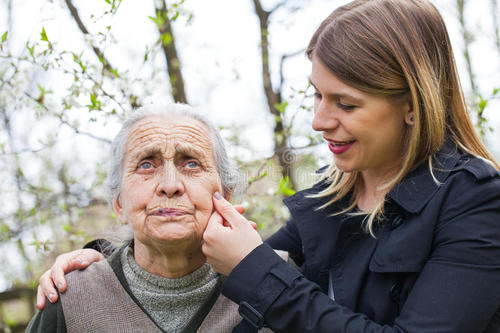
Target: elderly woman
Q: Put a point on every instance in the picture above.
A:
(165, 167)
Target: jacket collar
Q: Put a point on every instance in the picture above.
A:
(411, 194)
(417, 188)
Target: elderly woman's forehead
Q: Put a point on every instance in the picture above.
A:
(172, 126)
(173, 130)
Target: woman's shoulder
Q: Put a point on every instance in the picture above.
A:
(474, 175)
(473, 182)
(479, 168)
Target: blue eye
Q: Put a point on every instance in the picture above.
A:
(192, 165)
(317, 95)
(146, 165)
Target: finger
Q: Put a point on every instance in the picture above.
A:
(83, 258)
(227, 211)
(57, 276)
(66, 263)
(253, 224)
(216, 224)
(47, 287)
(40, 299)
(215, 218)
(240, 208)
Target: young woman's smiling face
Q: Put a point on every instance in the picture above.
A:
(365, 132)
(169, 175)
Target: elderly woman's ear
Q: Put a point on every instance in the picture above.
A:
(118, 209)
(228, 194)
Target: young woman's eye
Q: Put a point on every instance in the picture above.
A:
(346, 107)
(317, 95)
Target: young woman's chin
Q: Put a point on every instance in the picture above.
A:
(344, 166)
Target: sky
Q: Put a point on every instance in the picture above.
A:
(219, 50)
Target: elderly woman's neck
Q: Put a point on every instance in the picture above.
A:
(168, 263)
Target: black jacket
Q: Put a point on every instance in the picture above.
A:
(433, 267)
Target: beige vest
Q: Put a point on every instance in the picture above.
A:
(96, 302)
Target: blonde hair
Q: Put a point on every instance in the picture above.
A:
(393, 48)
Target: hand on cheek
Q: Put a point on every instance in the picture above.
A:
(228, 238)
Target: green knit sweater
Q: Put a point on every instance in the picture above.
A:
(170, 302)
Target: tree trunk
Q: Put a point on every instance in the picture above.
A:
(169, 50)
(274, 100)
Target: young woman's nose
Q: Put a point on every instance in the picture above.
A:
(325, 117)
(169, 182)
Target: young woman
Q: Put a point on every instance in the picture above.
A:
(402, 233)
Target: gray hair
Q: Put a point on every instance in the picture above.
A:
(227, 172)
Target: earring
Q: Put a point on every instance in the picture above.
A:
(410, 120)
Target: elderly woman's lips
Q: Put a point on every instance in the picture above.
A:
(169, 212)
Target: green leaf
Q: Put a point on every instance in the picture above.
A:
(32, 211)
(5, 229)
(31, 49)
(44, 35)
(285, 188)
(288, 192)
(166, 38)
(281, 107)
(4, 36)
(115, 72)
(158, 20)
(175, 17)
(95, 104)
(483, 103)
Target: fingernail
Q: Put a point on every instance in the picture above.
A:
(59, 286)
(51, 297)
(217, 196)
(83, 262)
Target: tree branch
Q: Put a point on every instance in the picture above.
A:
(278, 6)
(494, 11)
(467, 38)
(64, 122)
(90, 135)
(74, 13)
(284, 57)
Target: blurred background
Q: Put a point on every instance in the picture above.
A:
(71, 69)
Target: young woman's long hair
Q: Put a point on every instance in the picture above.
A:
(392, 48)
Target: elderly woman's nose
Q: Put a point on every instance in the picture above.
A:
(169, 183)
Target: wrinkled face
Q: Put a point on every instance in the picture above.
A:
(168, 178)
(364, 132)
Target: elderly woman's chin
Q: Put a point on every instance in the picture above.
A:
(171, 231)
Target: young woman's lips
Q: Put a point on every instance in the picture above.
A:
(338, 147)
